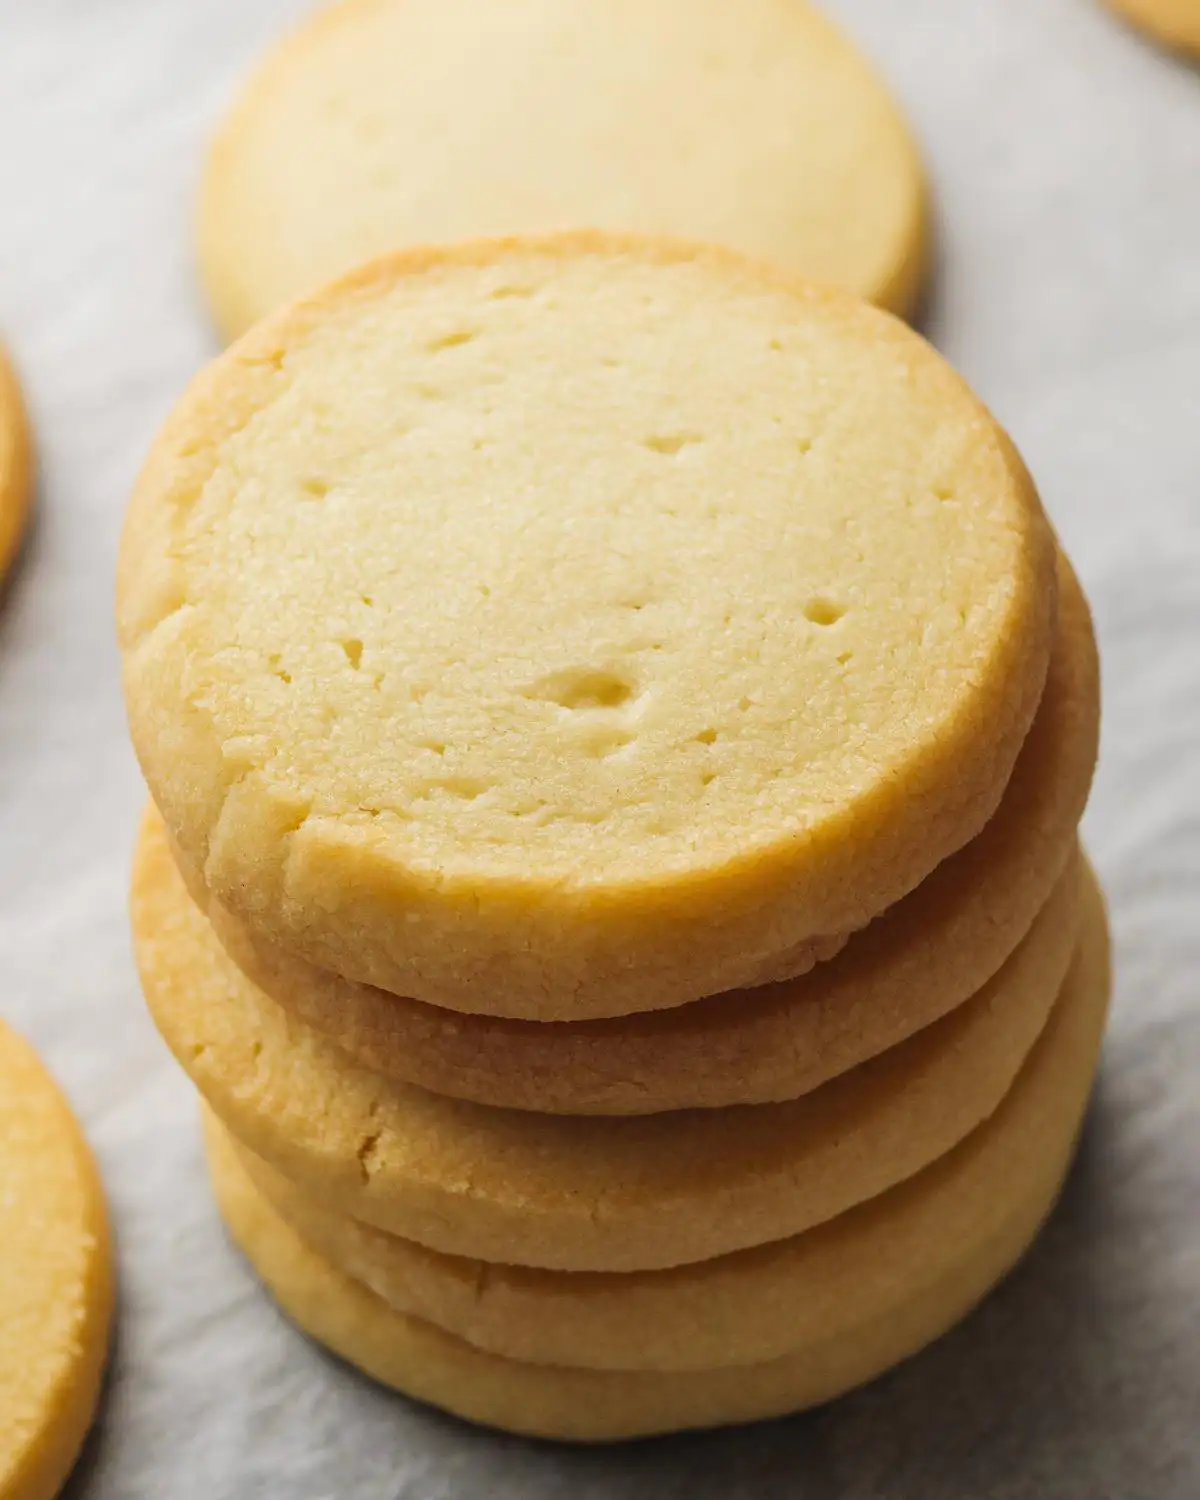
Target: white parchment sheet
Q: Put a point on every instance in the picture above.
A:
(1065, 156)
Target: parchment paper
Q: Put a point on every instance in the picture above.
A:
(1065, 154)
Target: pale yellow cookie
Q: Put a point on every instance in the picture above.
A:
(913, 1265)
(1176, 22)
(56, 1279)
(913, 964)
(571, 1192)
(578, 626)
(758, 1304)
(16, 465)
(385, 123)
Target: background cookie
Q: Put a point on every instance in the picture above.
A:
(593, 1405)
(912, 964)
(503, 759)
(384, 123)
(56, 1279)
(759, 1304)
(1176, 22)
(16, 465)
(570, 1192)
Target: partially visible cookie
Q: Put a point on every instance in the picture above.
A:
(16, 465)
(983, 1235)
(910, 966)
(1175, 22)
(384, 123)
(571, 1192)
(56, 1279)
(758, 1304)
(574, 626)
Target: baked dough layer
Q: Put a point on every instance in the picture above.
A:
(895, 1318)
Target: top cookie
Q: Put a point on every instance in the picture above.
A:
(581, 625)
(385, 123)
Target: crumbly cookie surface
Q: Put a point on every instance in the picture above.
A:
(573, 627)
(909, 966)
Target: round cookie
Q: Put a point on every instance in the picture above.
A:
(56, 1279)
(379, 125)
(892, 1318)
(758, 1304)
(473, 649)
(1175, 22)
(569, 1192)
(16, 465)
(911, 965)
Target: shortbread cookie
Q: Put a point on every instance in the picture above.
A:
(756, 1305)
(385, 123)
(580, 626)
(16, 465)
(1176, 22)
(563, 1191)
(56, 1279)
(913, 964)
(898, 1280)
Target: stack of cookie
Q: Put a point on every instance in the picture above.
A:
(622, 720)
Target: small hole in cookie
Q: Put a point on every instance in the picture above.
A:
(583, 689)
(943, 492)
(707, 778)
(670, 443)
(804, 446)
(606, 743)
(706, 737)
(464, 787)
(314, 487)
(353, 650)
(822, 611)
(451, 340)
